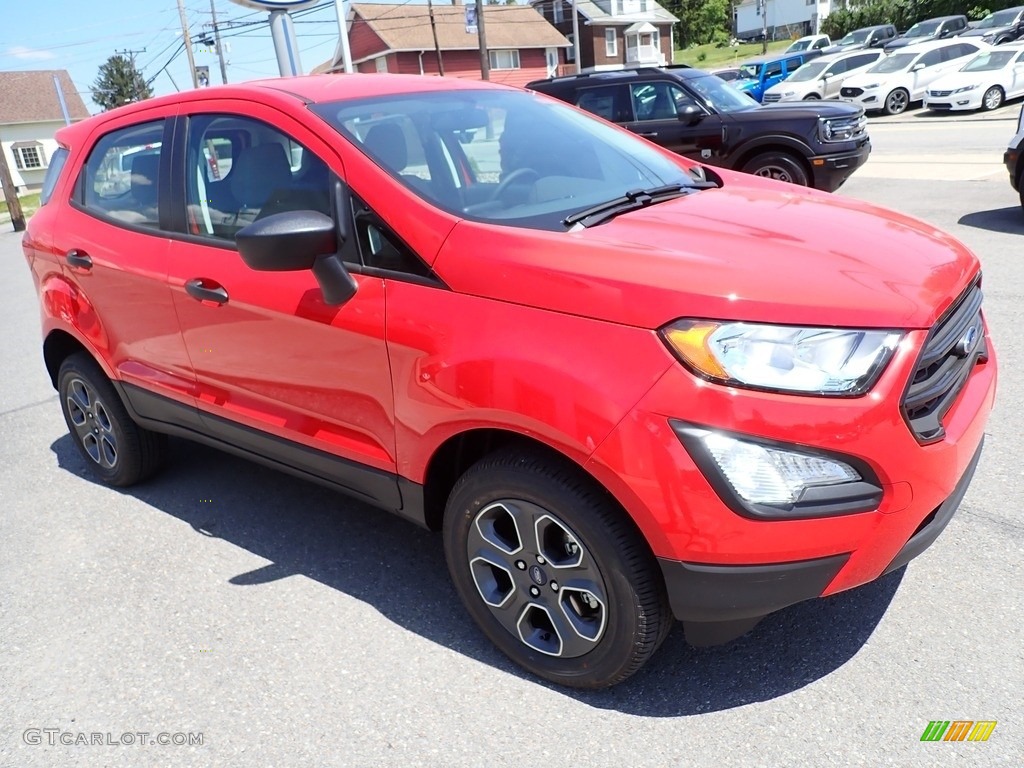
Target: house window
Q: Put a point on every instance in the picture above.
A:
(504, 59)
(381, 63)
(556, 12)
(29, 157)
(570, 52)
(611, 43)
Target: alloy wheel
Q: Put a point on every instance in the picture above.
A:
(92, 423)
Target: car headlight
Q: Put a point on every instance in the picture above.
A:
(836, 129)
(869, 87)
(787, 94)
(816, 361)
(965, 89)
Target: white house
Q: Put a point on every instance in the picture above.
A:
(786, 18)
(30, 115)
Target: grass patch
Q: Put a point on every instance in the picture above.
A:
(720, 58)
(29, 202)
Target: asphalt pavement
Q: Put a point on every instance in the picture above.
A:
(281, 625)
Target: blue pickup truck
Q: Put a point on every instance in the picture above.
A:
(760, 74)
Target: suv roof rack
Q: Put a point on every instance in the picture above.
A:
(642, 68)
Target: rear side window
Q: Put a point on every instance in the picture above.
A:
(862, 60)
(121, 178)
(52, 175)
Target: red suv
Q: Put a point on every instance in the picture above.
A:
(625, 387)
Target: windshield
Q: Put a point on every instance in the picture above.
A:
(808, 72)
(860, 36)
(989, 60)
(922, 29)
(799, 45)
(502, 157)
(896, 62)
(722, 96)
(1000, 19)
(750, 71)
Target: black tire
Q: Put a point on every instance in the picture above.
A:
(573, 531)
(780, 166)
(993, 98)
(118, 451)
(812, 97)
(897, 101)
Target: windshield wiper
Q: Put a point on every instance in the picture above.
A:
(632, 200)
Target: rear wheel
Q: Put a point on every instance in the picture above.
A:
(552, 571)
(812, 97)
(993, 98)
(780, 166)
(118, 451)
(897, 101)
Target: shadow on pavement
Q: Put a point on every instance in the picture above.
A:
(399, 569)
(999, 220)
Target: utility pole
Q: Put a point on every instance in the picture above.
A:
(188, 44)
(11, 194)
(433, 31)
(764, 25)
(216, 39)
(576, 37)
(485, 61)
(130, 54)
(346, 51)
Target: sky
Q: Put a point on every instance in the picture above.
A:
(80, 36)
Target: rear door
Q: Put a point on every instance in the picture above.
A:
(855, 64)
(114, 253)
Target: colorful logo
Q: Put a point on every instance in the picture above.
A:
(958, 730)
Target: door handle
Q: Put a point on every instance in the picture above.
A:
(200, 291)
(79, 259)
(649, 134)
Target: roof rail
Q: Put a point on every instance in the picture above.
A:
(612, 72)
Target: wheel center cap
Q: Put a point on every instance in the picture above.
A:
(538, 576)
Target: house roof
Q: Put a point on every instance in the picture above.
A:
(407, 27)
(594, 11)
(30, 97)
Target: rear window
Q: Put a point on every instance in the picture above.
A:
(52, 175)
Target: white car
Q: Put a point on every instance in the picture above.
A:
(823, 77)
(984, 82)
(809, 43)
(902, 77)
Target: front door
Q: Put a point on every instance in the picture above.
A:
(660, 114)
(276, 367)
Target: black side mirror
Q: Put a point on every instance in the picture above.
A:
(690, 115)
(297, 240)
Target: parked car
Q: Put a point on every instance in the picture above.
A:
(1013, 158)
(621, 394)
(1000, 27)
(984, 82)
(901, 78)
(865, 37)
(930, 29)
(823, 77)
(760, 74)
(697, 115)
(728, 75)
(809, 43)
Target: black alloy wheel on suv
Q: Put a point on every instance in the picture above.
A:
(814, 143)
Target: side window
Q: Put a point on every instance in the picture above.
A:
(52, 175)
(773, 69)
(1019, 59)
(681, 98)
(121, 178)
(653, 101)
(932, 58)
(380, 248)
(611, 102)
(239, 170)
(862, 60)
(836, 68)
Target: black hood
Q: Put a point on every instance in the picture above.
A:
(787, 110)
(986, 32)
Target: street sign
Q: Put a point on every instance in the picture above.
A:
(276, 5)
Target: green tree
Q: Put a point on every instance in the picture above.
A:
(119, 83)
(700, 19)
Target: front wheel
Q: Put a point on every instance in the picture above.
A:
(812, 97)
(552, 572)
(897, 101)
(779, 166)
(118, 451)
(993, 98)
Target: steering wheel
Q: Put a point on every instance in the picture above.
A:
(516, 176)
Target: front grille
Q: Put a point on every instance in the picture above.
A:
(851, 92)
(770, 98)
(937, 106)
(939, 93)
(954, 346)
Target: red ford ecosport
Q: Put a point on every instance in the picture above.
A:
(625, 388)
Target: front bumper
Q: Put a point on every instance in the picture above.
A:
(1011, 159)
(954, 102)
(831, 171)
(872, 100)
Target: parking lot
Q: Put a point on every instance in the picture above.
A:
(290, 626)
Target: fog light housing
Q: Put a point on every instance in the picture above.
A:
(771, 480)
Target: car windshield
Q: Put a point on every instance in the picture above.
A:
(922, 29)
(502, 157)
(800, 45)
(808, 72)
(998, 19)
(750, 71)
(722, 96)
(860, 36)
(896, 62)
(989, 60)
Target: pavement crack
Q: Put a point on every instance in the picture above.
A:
(28, 406)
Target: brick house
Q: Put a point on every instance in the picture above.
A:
(522, 46)
(613, 33)
(30, 115)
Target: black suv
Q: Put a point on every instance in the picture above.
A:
(817, 144)
(1003, 26)
(938, 28)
